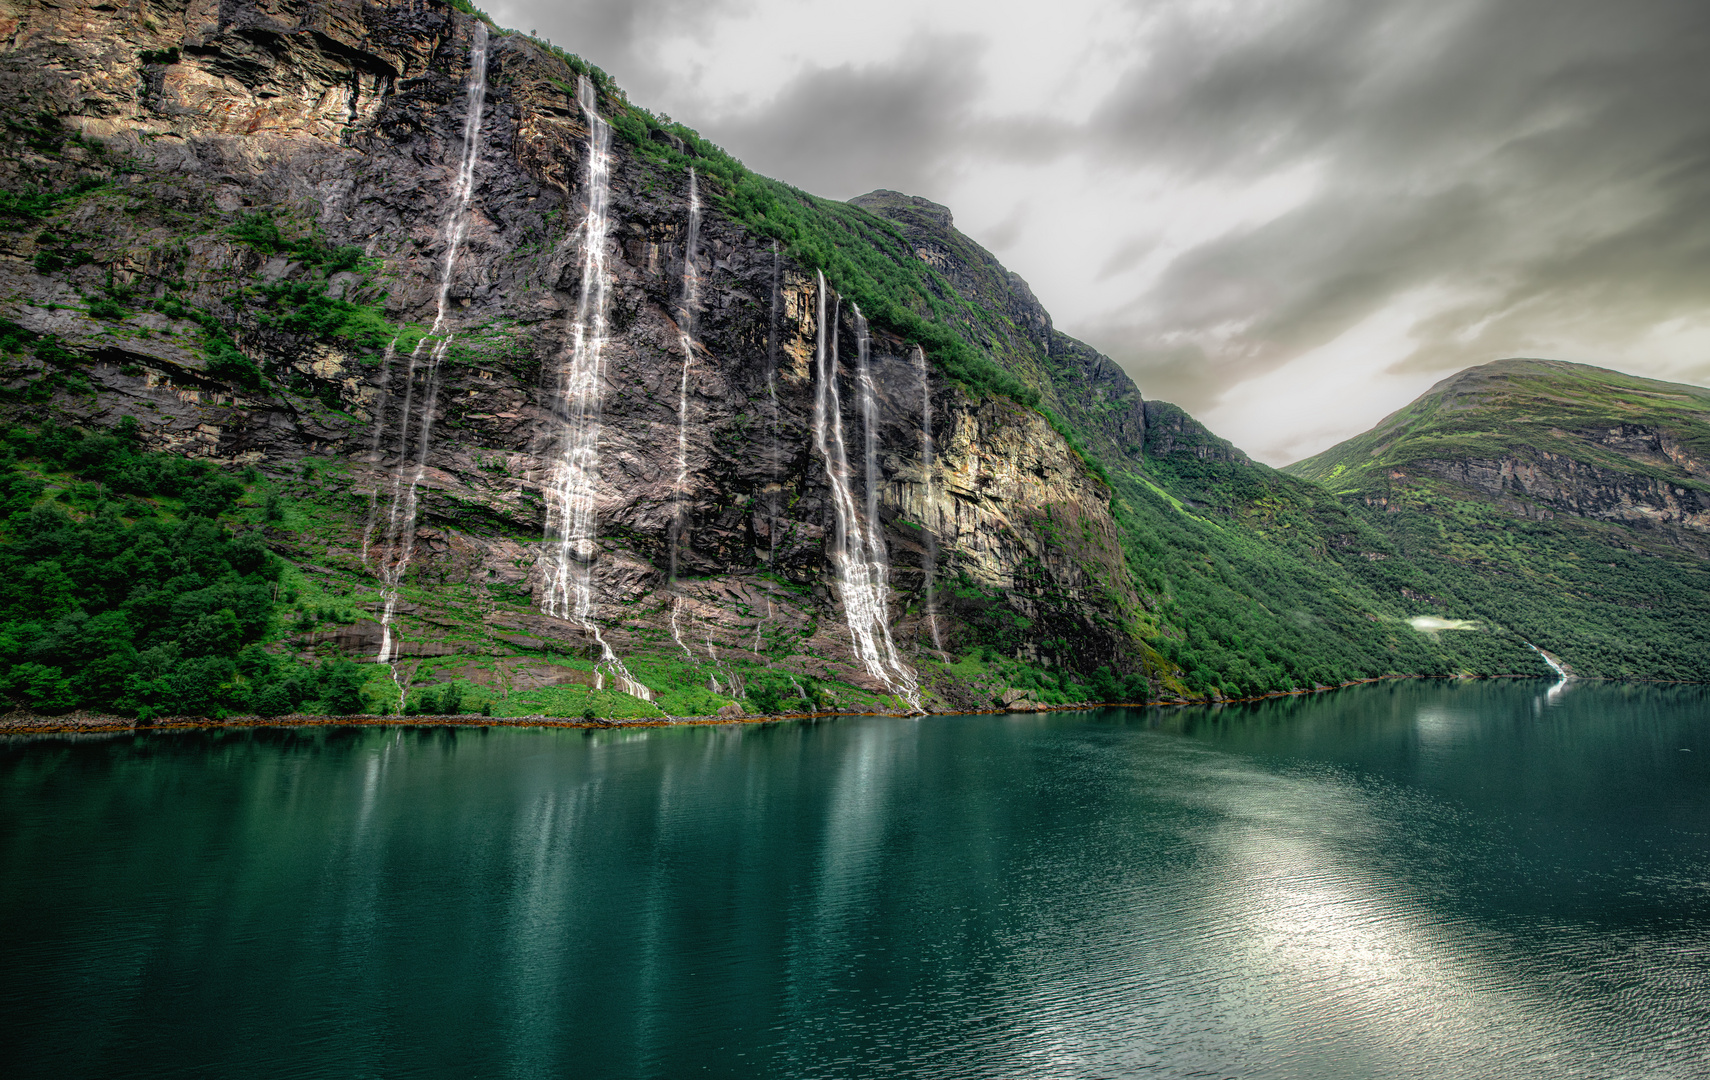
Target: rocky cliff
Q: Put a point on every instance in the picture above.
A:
(533, 389)
(240, 237)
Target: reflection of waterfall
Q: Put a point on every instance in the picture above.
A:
(930, 566)
(400, 537)
(570, 516)
(686, 339)
(859, 561)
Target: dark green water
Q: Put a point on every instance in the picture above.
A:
(1426, 880)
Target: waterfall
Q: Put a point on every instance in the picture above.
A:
(772, 459)
(571, 526)
(686, 339)
(400, 537)
(869, 441)
(931, 565)
(1561, 673)
(382, 401)
(857, 556)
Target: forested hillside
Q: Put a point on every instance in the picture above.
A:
(1573, 502)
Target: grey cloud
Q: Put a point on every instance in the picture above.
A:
(615, 35)
(836, 131)
(1552, 156)
(842, 131)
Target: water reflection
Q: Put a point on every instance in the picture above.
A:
(1413, 879)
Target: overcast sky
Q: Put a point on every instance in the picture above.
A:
(1288, 216)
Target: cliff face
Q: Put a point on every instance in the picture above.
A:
(1542, 439)
(998, 310)
(171, 138)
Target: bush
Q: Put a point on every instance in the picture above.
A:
(451, 700)
(764, 697)
(341, 693)
(105, 308)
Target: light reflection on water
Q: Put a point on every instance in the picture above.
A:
(1406, 880)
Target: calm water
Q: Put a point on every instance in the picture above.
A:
(1412, 880)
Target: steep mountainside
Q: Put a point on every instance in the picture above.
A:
(540, 397)
(1572, 500)
(1251, 580)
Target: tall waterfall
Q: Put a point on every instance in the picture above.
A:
(686, 339)
(857, 554)
(774, 452)
(571, 525)
(400, 537)
(931, 565)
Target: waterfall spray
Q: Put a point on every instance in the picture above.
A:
(686, 339)
(570, 513)
(926, 527)
(861, 578)
(400, 538)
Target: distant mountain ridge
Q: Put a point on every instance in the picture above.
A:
(1571, 501)
(1542, 438)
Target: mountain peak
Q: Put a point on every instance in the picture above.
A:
(906, 209)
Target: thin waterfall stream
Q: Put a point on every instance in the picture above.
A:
(382, 401)
(571, 517)
(857, 555)
(686, 339)
(928, 529)
(400, 536)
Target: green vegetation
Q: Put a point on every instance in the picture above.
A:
(1613, 599)
(1278, 586)
(123, 592)
(303, 305)
(863, 256)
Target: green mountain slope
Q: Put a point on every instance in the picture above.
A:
(1572, 502)
(1253, 581)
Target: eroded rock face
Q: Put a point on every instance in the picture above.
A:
(1556, 483)
(346, 117)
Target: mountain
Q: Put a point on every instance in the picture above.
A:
(342, 332)
(1570, 500)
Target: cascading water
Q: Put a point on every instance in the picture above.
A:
(861, 577)
(382, 401)
(570, 513)
(400, 536)
(869, 442)
(686, 338)
(774, 454)
(931, 566)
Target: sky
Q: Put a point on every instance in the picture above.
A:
(1290, 217)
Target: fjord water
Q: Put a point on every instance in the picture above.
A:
(1413, 879)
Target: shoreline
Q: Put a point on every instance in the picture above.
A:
(26, 724)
